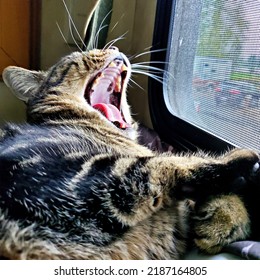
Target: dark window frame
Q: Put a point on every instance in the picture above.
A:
(173, 130)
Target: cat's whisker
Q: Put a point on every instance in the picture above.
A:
(112, 42)
(148, 48)
(115, 25)
(73, 38)
(152, 70)
(62, 35)
(149, 74)
(144, 72)
(134, 82)
(71, 23)
(147, 67)
(113, 28)
(96, 38)
(101, 27)
(147, 52)
(151, 62)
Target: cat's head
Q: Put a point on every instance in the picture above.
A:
(82, 85)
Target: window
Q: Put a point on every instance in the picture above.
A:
(211, 91)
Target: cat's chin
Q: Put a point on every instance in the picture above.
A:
(106, 91)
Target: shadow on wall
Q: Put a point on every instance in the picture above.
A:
(11, 109)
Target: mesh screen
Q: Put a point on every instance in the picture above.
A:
(213, 78)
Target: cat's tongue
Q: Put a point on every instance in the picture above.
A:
(112, 114)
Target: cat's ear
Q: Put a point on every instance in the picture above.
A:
(22, 82)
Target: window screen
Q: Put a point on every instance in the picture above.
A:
(213, 79)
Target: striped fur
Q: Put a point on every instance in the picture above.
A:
(75, 186)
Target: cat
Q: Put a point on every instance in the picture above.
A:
(75, 183)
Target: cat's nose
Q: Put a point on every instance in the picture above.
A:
(114, 48)
(119, 60)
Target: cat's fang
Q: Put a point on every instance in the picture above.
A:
(118, 84)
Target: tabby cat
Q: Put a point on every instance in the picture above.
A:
(75, 184)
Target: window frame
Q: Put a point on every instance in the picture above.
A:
(173, 130)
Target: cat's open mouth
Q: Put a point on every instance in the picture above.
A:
(104, 92)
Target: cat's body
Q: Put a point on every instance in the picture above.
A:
(76, 185)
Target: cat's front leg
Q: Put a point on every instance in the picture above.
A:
(132, 189)
(202, 177)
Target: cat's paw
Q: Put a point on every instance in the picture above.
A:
(245, 161)
(242, 166)
(219, 222)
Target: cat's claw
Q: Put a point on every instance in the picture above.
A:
(256, 167)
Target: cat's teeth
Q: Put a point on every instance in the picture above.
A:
(124, 68)
(256, 167)
(118, 84)
(112, 64)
